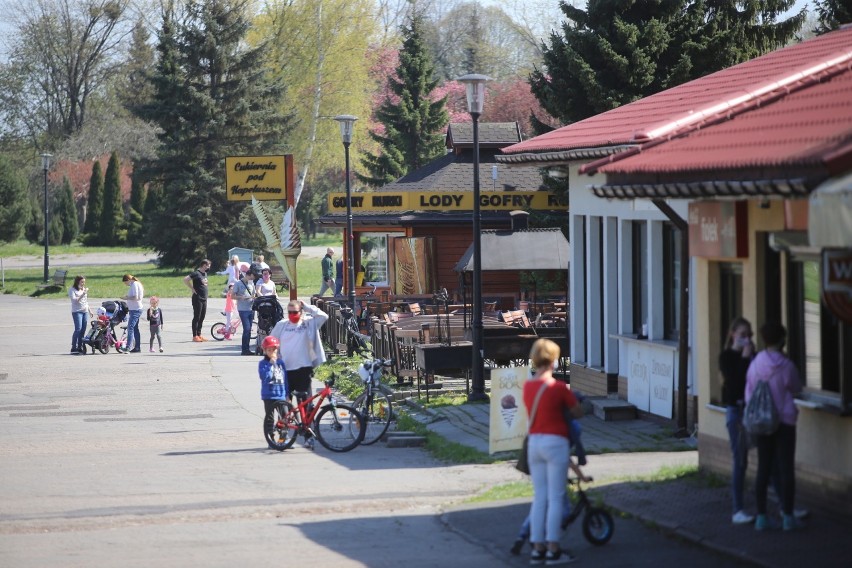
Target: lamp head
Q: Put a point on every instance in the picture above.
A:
(45, 161)
(347, 122)
(475, 86)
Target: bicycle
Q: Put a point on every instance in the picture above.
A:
(355, 342)
(109, 339)
(598, 525)
(375, 403)
(220, 331)
(338, 427)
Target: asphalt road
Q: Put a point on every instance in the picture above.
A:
(159, 460)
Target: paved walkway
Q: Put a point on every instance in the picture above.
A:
(694, 509)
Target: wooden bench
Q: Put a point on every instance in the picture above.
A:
(276, 274)
(58, 280)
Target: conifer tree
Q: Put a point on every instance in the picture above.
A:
(95, 200)
(66, 211)
(413, 121)
(14, 203)
(618, 51)
(135, 211)
(213, 98)
(831, 13)
(112, 215)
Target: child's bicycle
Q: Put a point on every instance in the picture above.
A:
(598, 525)
(220, 331)
(107, 338)
(338, 427)
(375, 403)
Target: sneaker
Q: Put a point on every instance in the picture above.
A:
(197, 339)
(798, 513)
(791, 523)
(517, 547)
(151, 350)
(202, 338)
(537, 557)
(764, 523)
(742, 518)
(558, 557)
(309, 444)
(161, 349)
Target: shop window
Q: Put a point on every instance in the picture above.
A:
(672, 245)
(639, 255)
(819, 343)
(374, 258)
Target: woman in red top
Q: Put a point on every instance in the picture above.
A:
(549, 452)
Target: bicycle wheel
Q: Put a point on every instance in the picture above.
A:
(102, 344)
(598, 526)
(217, 331)
(253, 335)
(284, 427)
(377, 415)
(339, 428)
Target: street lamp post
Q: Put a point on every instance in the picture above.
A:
(347, 122)
(475, 86)
(45, 165)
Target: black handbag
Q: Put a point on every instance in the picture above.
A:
(523, 464)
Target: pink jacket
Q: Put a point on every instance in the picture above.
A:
(784, 382)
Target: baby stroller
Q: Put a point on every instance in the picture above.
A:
(102, 333)
(269, 312)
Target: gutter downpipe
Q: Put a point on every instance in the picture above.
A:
(683, 332)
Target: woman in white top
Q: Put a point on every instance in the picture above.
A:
(134, 305)
(79, 295)
(265, 286)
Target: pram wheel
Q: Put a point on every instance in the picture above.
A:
(103, 345)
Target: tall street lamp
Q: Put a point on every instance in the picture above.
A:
(475, 85)
(347, 122)
(45, 165)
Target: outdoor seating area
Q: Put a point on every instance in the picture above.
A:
(428, 340)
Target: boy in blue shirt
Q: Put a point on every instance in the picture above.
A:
(273, 382)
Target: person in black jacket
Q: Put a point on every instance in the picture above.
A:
(733, 366)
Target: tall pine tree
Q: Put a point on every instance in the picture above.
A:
(618, 51)
(95, 201)
(67, 212)
(15, 205)
(212, 99)
(135, 211)
(112, 214)
(413, 121)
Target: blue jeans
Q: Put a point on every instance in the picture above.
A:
(133, 339)
(246, 319)
(739, 453)
(80, 321)
(548, 456)
(338, 286)
(524, 533)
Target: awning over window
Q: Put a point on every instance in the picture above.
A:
(531, 249)
(830, 213)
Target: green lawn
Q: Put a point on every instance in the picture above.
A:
(24, 248)
(104, 281)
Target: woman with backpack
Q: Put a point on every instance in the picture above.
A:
(781, 376)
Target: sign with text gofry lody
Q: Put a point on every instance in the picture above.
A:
(267, 178)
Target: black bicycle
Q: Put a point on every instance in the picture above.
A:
(375, 404)
(356, 343)
(598, 525)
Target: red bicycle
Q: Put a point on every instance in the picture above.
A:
(338, 427)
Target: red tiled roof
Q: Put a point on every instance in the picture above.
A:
(803, 132)
(700, 100)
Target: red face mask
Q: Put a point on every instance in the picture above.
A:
(294, 318)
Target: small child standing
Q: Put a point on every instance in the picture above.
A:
(273, 384)
(155, 319)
